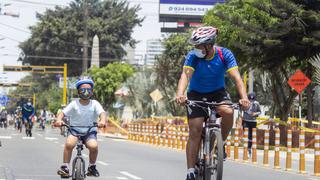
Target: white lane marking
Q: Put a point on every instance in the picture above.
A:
(15, 134)
(39, 134)
(5, 137)
(117, 178)
(56, 142)
(119, 140)
(130, 175)
(100, 140)
(62, 145)
(313, 179)
(51, 138)
(28, 137)
(23, 179)
(103, 163)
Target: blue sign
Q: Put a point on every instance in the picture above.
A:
(4, 100)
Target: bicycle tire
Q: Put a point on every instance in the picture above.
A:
(79, 171)
(199, 163)
(216, 158)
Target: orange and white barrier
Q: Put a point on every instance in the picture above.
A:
(317, 154)
(236, 144)
(266, 148)
(254, 146)
(277, 149)
(228, 146)
(289, 150)
(302, 160)
(245, 145)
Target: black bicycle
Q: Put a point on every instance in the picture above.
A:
(78, 162)
(211, 154)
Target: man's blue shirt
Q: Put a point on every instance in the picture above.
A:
(208, 75)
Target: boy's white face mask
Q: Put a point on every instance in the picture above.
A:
(199, 53)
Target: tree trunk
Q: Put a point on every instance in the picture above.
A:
(282, 102)
(309, 98)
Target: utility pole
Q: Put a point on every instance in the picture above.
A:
(85, 38)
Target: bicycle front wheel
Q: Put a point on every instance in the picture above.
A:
(215, 169)
(78, 170)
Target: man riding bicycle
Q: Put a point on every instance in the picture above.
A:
(204, 70)
(82, 112)
(27, 115)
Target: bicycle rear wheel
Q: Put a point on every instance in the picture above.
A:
(78, 172)
(214, 169)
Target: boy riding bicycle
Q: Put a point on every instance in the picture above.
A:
(82, 112)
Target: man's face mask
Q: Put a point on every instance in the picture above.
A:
(29, 103)
(85, 93)
(199, 53)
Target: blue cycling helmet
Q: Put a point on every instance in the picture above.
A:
(84, 80)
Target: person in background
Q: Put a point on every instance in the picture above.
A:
(250, 117)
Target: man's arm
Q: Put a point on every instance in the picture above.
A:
(235, 75)
(183, 83)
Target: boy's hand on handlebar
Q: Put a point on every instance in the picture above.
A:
(101, 124)
(58, 123)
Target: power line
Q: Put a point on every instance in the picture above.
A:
(10, 38)
(37, 3)
(18, 29)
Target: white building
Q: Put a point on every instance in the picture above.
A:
(154, 48)
(130, 56)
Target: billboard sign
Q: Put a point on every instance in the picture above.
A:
(176, 8)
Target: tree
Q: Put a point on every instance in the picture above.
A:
(140, 85)
(169, 67)
(108, 79)
(59, 33)
(274, 36)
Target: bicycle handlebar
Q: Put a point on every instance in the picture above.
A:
(211, 104)
(90, 127)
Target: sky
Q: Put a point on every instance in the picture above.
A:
(15, 30)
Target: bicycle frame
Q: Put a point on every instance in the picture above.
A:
(211, 134)
(78, 156)
(79, 148)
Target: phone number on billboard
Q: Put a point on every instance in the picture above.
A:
(187, 9)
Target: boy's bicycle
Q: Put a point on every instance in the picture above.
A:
(78, 163)
(211, 154)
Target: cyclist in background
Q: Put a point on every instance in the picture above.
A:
(82, 112)
(43, 119)
(27, 115)
(204, 70)
(3, 117)
(18, 116)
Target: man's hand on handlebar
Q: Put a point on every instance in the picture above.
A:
(181, 99)
(245, 103)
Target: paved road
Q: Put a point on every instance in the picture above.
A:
(38, 158)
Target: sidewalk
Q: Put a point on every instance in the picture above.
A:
(114, 136)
